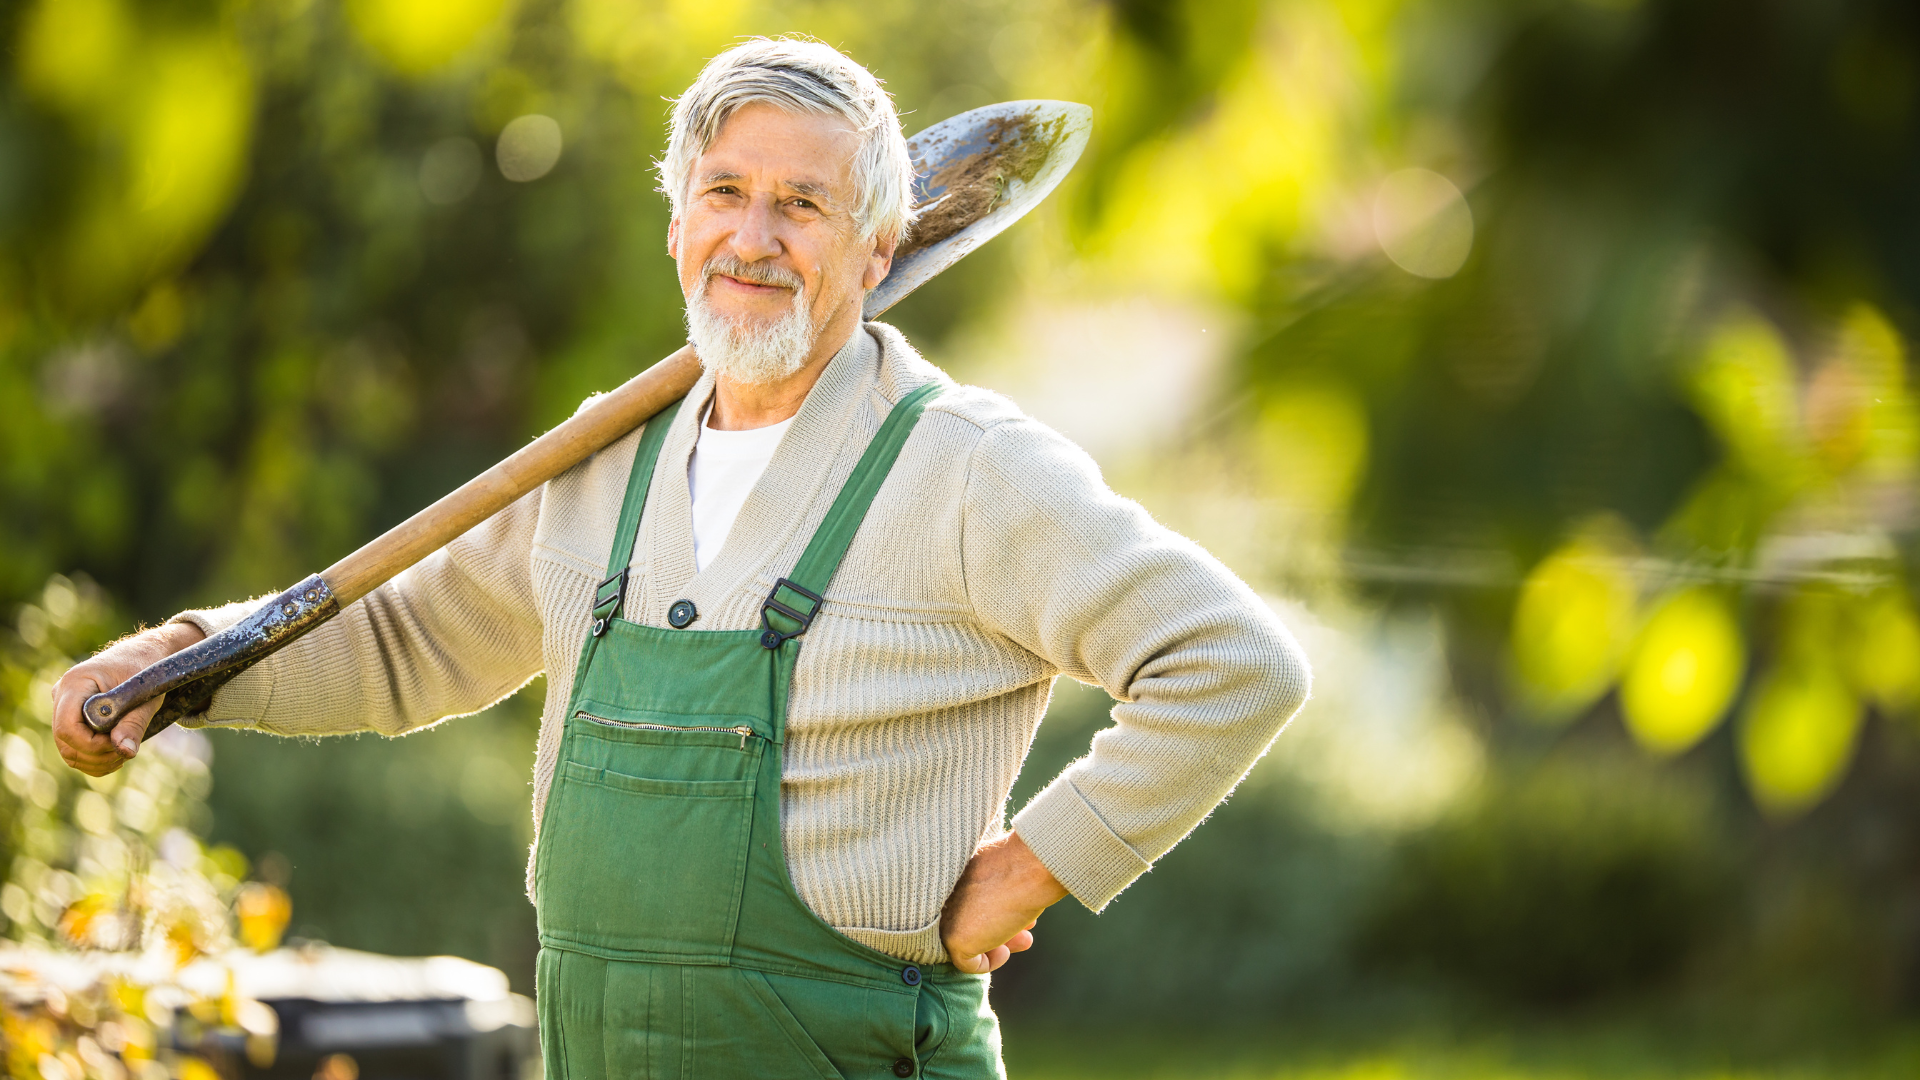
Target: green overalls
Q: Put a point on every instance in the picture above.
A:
(673, 944)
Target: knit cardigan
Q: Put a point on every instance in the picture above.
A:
(993, 559)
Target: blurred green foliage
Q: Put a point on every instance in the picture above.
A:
(1256, 913)
(1583, 324)
(106, 862)
(400, 847)
(1582, 878)
(113, 865)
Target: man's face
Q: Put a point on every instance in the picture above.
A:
(768, 223)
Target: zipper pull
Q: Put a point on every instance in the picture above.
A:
(743, 731)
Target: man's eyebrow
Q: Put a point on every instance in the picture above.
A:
(812, 189)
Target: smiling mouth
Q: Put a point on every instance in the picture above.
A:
(755, 285)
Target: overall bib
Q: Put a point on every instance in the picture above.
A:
(673, 944)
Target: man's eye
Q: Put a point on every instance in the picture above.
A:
(724, 189)
(805, 203)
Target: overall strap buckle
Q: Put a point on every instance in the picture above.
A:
(774, 637)
(607, 604)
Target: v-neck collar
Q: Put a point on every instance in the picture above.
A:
(779, 504)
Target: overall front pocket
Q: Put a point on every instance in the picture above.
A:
(635, 867)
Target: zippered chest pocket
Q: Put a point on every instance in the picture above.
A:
(716, 748)
(643, 853)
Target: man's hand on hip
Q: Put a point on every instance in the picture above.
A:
(98, 753)
(999, 897)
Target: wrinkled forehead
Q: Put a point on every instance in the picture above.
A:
(761, 142)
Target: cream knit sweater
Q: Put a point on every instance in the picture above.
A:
(993, 559)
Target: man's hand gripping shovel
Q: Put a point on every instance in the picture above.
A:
(976, 174)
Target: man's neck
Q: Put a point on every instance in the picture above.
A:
(739, 406)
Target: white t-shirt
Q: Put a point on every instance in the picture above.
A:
(725, 466)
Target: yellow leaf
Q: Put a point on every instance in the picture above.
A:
(1883, 653)
(1745, 389)
(264, 911)
(1573, 617)
(1797, 737)
(1684, 672)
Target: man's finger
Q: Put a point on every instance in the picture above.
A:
(132, 728)
(984, 962)
(69, 695)
(80, 746)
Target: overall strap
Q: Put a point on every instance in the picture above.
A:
(612, 593)
(789, 609)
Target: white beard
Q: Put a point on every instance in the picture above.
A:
(750, 352)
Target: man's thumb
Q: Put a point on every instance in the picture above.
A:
(128, 733)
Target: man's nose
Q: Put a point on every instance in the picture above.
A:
(758, 236)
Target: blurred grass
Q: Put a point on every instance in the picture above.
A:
(1606, 1051)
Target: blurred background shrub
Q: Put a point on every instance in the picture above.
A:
(1561, 885)
(113, 865)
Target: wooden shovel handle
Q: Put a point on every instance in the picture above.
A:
(608, 417)
(190, 676)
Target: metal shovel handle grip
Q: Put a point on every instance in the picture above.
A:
(206, 665)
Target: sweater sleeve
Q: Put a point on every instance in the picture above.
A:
(451, 635)
(1204, 674)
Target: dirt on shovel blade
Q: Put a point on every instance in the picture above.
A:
(969, 187)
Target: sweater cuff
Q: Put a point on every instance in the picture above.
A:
(1073, 842)
(243, 701)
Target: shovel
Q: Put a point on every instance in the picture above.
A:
(975, 174)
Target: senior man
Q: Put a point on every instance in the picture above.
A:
(798, 632)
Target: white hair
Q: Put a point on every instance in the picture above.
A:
(799, 76)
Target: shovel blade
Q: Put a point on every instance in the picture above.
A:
(974, 175)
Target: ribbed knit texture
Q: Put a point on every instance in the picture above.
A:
(993, 559)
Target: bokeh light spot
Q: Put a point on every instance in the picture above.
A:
(1423, 223)
(449, 170)
(1684, 671)
(529, 148)
(418, 36)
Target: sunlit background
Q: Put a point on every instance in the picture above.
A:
(1545, 363)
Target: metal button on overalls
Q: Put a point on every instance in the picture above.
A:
(672, 941)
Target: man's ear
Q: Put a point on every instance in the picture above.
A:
(673, 238)
(880, 263)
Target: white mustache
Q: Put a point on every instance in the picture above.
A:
(757, 273)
